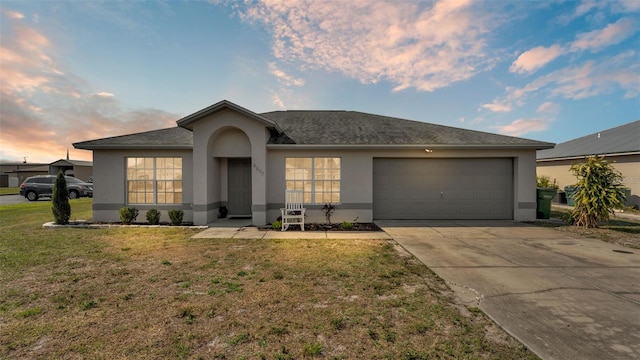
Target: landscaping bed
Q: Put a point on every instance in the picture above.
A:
(336, 227)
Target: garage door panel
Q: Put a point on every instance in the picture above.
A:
(443, 188)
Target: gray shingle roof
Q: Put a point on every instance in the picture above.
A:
(330, 128)
(357, 128)
(171, 138)
(72, 162)
(621, 139)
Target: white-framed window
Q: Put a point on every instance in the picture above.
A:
(154, 180)
(317, 177)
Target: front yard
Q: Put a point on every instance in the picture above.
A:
(155, 293)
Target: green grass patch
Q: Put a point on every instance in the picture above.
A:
(9, 191)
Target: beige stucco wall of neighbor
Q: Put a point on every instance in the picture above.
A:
(357, 179)
(210, 148)
(83, 172)
(109, 183)
(628, 165)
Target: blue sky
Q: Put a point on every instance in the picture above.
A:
(546, 70)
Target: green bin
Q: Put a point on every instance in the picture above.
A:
(569, 191)
(543, 202)
(627, 196)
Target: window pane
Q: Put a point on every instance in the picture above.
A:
(162, 198)
(177, 198)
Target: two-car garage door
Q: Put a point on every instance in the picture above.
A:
(443, 188)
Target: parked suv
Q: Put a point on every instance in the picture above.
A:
(38, 186)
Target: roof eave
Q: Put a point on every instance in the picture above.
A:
(187, 121)
(133, 147)
(410, 146)
(575, 157)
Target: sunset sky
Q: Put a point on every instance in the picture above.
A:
(77, 70)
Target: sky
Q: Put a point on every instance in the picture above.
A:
(72, 71)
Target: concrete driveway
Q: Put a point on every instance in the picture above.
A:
(563, 296)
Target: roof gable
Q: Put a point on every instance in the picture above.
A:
(618, 140)
(72, 162)
(187, 121)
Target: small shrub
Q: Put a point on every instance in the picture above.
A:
(128, 215)
(153, 217)
(347, 225)
(545, 182)
(328, 210)
(60, 199)
(276, 225)
(176, 216)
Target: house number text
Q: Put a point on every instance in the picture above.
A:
(258, 169)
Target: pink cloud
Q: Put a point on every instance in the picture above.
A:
(43, 111)
(523, 126)
(548, 107)
(409, 44)
(611, 34)
(535, 58)
(496, 107)
(13, 14)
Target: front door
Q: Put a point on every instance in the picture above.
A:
(239, 172)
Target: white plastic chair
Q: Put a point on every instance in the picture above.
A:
(293, 211)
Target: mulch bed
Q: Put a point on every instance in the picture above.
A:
(336, 227)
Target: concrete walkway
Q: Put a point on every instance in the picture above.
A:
(250, 232)
(563, 296)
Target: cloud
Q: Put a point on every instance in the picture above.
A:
(612, 34)
(283, 77)
(496, 107)
(43, 110)
(620, 72)
(418, 45)
(548, 107)
(520, 127)
(535, 58)
(13, 14)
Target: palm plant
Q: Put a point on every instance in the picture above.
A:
(598, 191)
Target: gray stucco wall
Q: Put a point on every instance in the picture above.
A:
(357, 179)
(109, 183)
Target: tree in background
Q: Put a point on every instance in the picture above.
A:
(598, 192)
(61, 208)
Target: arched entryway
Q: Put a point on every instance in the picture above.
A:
(231, 149)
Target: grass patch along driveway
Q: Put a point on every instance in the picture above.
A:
(155, 293)
(617, 230)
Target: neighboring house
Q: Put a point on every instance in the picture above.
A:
(12, 174)
(620, 146)
(80, 169)
(368, 166)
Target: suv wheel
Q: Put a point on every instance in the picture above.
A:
(73, 194)
(32, 196)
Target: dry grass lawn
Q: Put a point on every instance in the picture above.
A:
(617, 230)
(139, 293)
